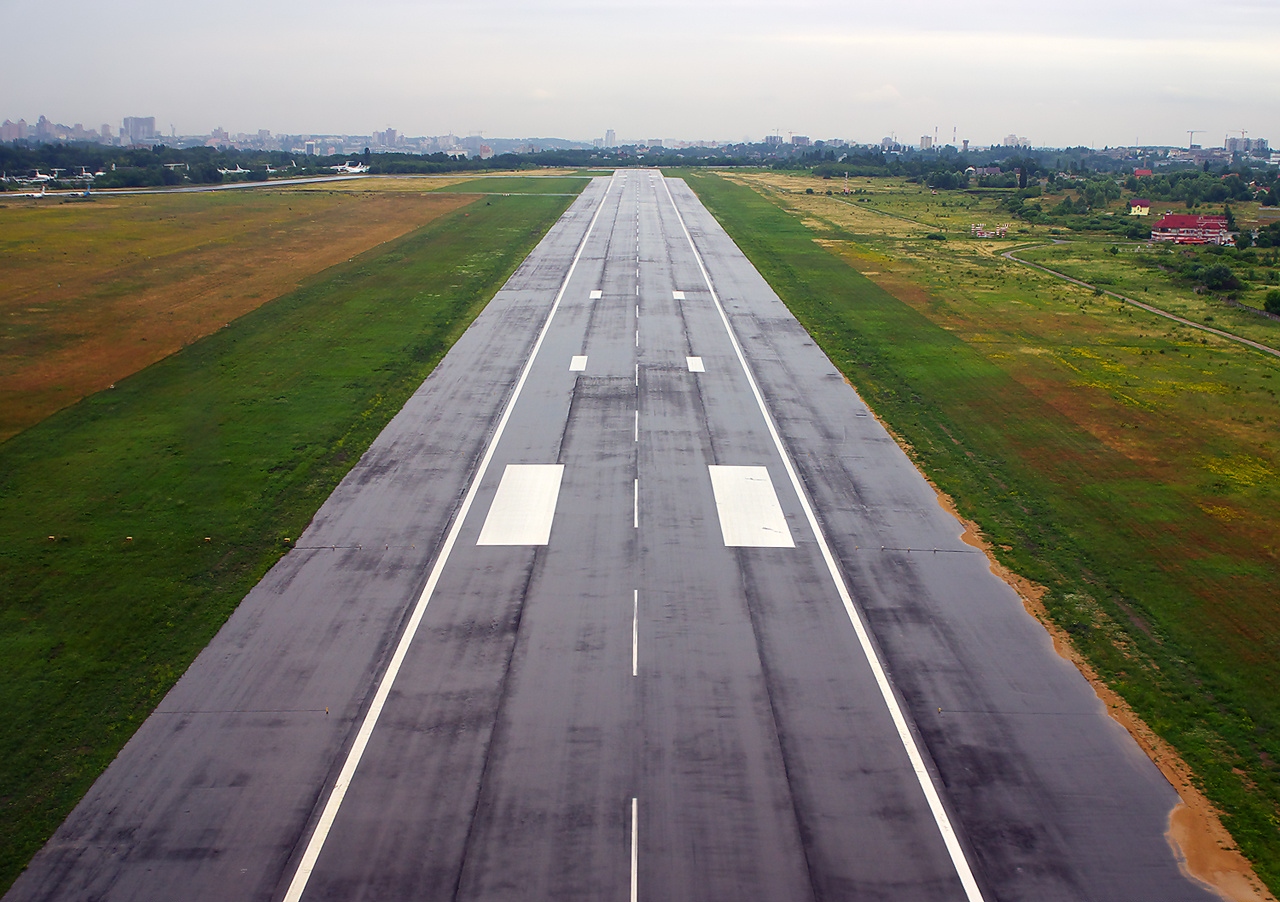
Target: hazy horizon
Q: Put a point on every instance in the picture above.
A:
(1107, 74)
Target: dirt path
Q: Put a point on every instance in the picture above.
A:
(1011, 255)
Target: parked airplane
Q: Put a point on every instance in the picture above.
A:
(38, 177)
(350, 167)
(236, 171)
(285, 169)
(40, 193)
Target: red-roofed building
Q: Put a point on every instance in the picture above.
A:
(1188, 228)
(1139, 207)
(1141, 172)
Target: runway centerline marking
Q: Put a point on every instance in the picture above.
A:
(695, 364)
(635, 632)
(677, 295)
(311, 853)
(635, 851)
(635, 435)
(524, 506)
(596, 294)
(578, 363)
(750, 515)
(635, 505)
(949, 837)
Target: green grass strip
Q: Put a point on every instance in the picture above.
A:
(239, 437)
(1075, 516)
(518, 184)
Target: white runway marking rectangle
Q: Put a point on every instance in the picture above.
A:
(578, 363)
(695, 365)
(677, 295)
(750, 515)
(597, 294)
(524, 506)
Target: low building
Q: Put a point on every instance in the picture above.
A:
(1142, 173)
(1139, 207)
(1188, 228)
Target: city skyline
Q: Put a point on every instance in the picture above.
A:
(1107, 74)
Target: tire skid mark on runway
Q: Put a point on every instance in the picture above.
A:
(943, 821)
(333, 804)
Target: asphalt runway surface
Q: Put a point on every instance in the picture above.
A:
(633, 600)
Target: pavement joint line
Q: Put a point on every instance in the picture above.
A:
(949, 836)
(315, 844)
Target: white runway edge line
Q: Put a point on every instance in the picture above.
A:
(949, 837)
(311, 854)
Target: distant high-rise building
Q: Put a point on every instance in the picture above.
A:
(773, 140)
(610, 139)
(926, 142)
(139, 129)
(597, 142)
(310, 148)
(800, 141)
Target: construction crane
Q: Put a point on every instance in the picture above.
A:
(1191, 136)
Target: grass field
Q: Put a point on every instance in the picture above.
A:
(535, 184)
(1126, 464)
(108, 585)
(1135, 271)
(96, 291)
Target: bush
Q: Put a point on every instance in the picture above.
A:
(1272, 303)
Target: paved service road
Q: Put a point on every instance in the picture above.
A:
(587, 622)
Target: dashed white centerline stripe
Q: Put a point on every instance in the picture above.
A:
(635, 505)
(934, 800)
(311, 854)
(635, 632)
(635, 435)
(637, 375)
(596, 294)
(635, 852)
(578, 363)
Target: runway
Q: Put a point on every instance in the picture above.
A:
(633, 600)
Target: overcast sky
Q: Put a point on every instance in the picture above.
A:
(1092, 72)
